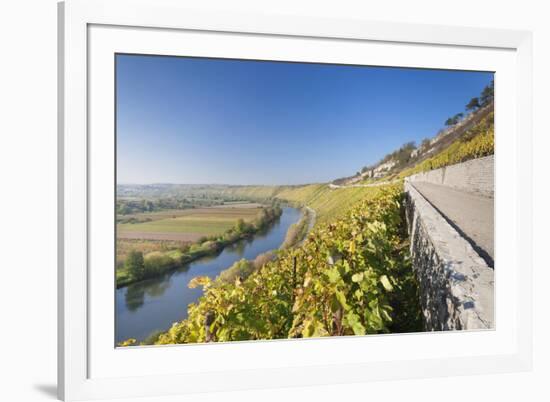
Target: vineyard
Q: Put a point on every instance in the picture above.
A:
(479, 141)
(352, 276)
(327, 203)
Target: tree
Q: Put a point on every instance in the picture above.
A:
(135, 264)
(240, 226)
(123, 209)
(488, 94)
(403, 154)
(264, 217)
(473, 104)
(451, 121)
(425, 143)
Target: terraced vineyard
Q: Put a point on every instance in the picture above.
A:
(326, 202)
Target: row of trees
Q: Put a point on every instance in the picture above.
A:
(266, 216)
(155, 264)
(132, 206)
(126, 207)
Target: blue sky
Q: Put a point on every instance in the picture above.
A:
(194, 120)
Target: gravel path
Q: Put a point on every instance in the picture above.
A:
(470, 214)
(378, 184)
(312, 218)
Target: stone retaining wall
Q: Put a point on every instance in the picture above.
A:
(456, 285)
(473, 176)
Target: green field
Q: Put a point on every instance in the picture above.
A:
(192, 223)
(156, 243)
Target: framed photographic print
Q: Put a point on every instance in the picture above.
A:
(252, 201)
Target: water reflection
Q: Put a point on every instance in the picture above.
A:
(157, 289)
(154, 287)
(134, 297)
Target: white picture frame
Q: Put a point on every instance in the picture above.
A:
(89, 368)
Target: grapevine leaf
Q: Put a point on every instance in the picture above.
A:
(357, 277)
(353, 321)
(334, 304)
(386, 283)
(333, 275)
(341, 299)
(199, 281)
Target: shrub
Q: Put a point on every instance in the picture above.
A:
(297, 231)
(240, 269)
(157, 263)
(262, 259)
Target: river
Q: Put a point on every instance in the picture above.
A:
(154, 304)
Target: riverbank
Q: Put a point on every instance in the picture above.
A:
(139, 267)
(295, 236)
(297, 232)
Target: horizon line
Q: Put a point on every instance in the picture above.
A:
(217, 184)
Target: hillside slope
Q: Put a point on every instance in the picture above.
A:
(328, 203)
